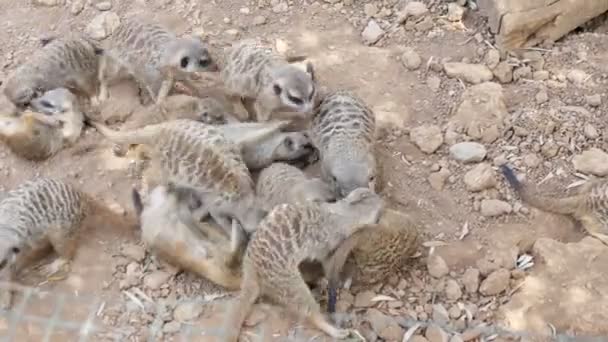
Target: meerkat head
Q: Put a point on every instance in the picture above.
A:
(294, 87)
(56, 101)
(188, 55)
(211, 111)
(347, 171)
(22, 94)
(362, 206)
(293, 146)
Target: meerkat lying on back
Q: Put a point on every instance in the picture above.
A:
(267, 82)
(55, 122)
(289, 235)
(589, 206)
(71, 62)
(42, 212)
(154, 57)
(343, 129)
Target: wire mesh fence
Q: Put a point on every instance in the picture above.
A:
(39, 315)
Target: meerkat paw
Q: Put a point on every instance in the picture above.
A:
(341, 334)
(52, 270)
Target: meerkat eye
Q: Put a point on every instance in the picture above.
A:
(184, 62)
(295, 100)
(16, 250)
(277, 89)
(204, 63)
(205, 115)
(288, 143)
(372, 178)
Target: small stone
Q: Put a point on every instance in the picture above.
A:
(415, 9)
(133, 252)
(172, 327)
(281, 7)
(49, 3)
(590, 132)
(541, 75)
(103, 25)
(156, 279)
(410, 59)
(468, 152)
(532, 160)
(503, 72)
(189, 311)
(594, 100)
(492, 58)
(472, 73)
(456, 338)
(440, 314)
(435, 334)
(370, 10)
(455, 12)
(471, 334)
(428, 138)
(437, 266)
(593, 161)
(577, 76)
(232, 32)
(364, 299)
(104, 5)
(492, 207)
(495, 283)
(433, 82)
(534, 59)
(455, 312)
(481, 177)
(77, 7)
(522, 72)
(452, 290)
(372, 32)
(542, 96)
(438, 179)
(259, 20)
(470, 280)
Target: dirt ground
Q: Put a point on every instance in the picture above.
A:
(551, 115)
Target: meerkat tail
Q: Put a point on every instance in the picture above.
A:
(528, 194)
(237, 313)
(144, 135)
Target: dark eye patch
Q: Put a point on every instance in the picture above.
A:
(295, 100)
(204, 63)
(184, 62)
(277, 89)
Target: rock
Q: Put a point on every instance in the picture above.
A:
(534, 59)
(481, 177)
(456, 338)
(437, 266)
(492, 58)
(574, 286)
(172, 327)
(364, 299)
(133, 252)
(594, 100)
(104, 5)
(370, 10)
(470, 280)
(495, 283)
(281, 7)
(482, 107)
(440, 315)
(372, 33)
(428, 138)
(542, 96)
(410, 59)
(541, 75)
(384, 326)
(414, 9)
(259, 20)
(49, 3)
(455, 312)
(455, 12)
(472, 73)
(77, 7)
(492, 207)
(156, 279)
(590, 132)
(522, 72)
(468, 152)
(593, 161)
(452, 290)
(577, 77)
(103, 25)
(433, 82)
(531, 160)
(437, 179)
(435, 334)
(189, 311)
(503, 72)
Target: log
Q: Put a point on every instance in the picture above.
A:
(525, 23)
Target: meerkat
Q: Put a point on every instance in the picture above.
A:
(170, 230)
(40, 213)
(55, 122)
(71, 62)
(288, 235)
(589, 206)
(282, 183)
(155, 57)
(267, 82)
(343, 129)
(195, 155)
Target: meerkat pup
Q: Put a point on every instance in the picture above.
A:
(71, 62)
(589, 206)
(289, 235)
(40, 213)
(55, 122)
(170, 229)
(267, 82)
(195, 155)
(155, 57)
(343, 129)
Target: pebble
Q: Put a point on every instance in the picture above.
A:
(468, 152)
(104, 5)
(437, 266)
(492, 58)
(410, 59)
(370, 10)
(455, 312)
(440, 314)
(435, 334)
(493, 207)
(438, 179)
(531, 160)
(456, 338)
(592, 161)
(259, 20)
(77, 7)
(103, 25)
(172, 327)
(541, 75)
(428, 138)
(470, 280)
(534, 59)
(415, 9)
(372, 32)
(495, 283)
(452, 290)
(49, 3)
(503, 72)
(455, 12)
(522, 72)
(594, 100)
(433, 82)
(281, 7)
(577, 76)
(481, 177)
(472, 73)
(364, 299)
(134, 252)
(383, 325)
(187, 311)
(156, 279)
(542, 96)
(590, 132)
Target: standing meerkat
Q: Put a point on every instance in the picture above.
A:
(289, 235)
(40, 213)
(195, 155)
(589, 206)
(170, 230)
(55, 122)
(267, 82)
(71, 62)
(343, 129)
(155, 57)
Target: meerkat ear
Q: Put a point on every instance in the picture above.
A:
(288, 142)
(310, 70)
